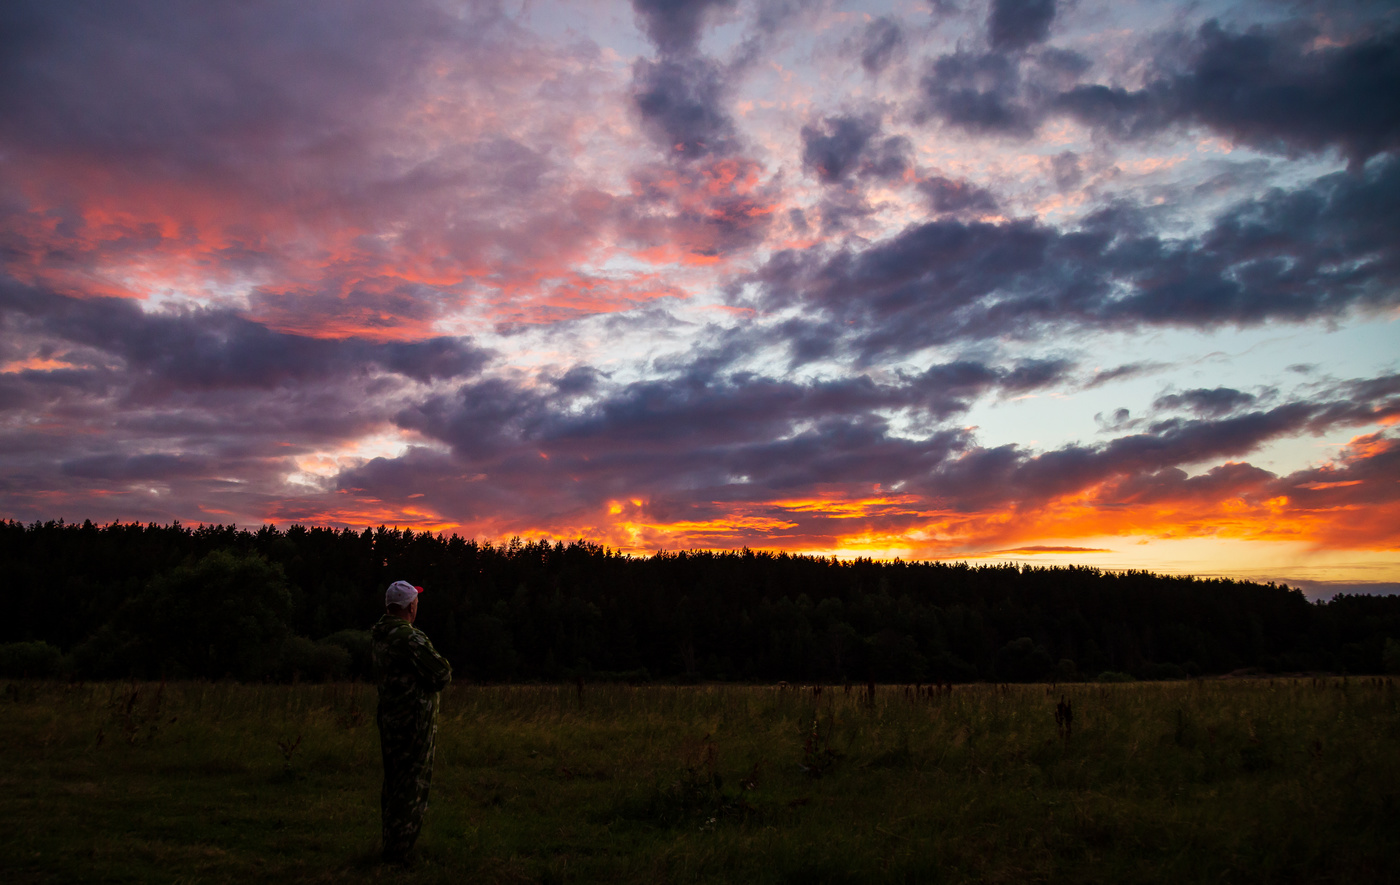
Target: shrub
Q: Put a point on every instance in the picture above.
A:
(33, 659)
(1163, 671)
(223, 615)
(1066, 671)
(1115, 676)
(1390, 657)
(303, 660)
(357, 644)
(1021, 660)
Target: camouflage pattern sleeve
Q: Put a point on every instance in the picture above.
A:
(432, 668)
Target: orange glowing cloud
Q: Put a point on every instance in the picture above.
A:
(696, 214)
(364, 512)
(1247, 505)
(575, 294)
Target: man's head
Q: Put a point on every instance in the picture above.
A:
(401, 600)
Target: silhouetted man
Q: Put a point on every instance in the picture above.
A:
(410, 673)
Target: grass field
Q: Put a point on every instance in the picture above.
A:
(1216, 780)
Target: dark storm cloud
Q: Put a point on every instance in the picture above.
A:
(830, 149)
(1011, 476)
(675, 25)
(1362, 480)
(1316, 251)
(689, 436)
(982, 93)
(700, 437)
(680, 100)
(881, 42)
(946, 195)
(844, 146)
(680, 95)
(1206, 401)
(158, 416)
(578, 380)
(1118, 373)
(1278, 90)
(1371, 389)
(998, 92)
(156, 86)
(135, 467)
(948, 389)
(1016, 24)
(1274, 91)
(165, 415)
(211, 348)
(1174, 484)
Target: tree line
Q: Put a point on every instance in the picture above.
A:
(170, 601)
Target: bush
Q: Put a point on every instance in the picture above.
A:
(32, 659)
(303, 660)
(1390, 656)
(1163, 671)
(357, 644)
(223, 615)
(1115, 676)
(1021, 660)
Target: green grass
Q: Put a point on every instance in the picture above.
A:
(1211, 781)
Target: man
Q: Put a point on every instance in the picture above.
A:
(410, 673)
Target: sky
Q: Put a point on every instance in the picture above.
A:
(1104, 283)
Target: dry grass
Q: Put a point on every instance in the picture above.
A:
(1244, 780)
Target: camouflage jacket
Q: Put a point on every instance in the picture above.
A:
(407, 668)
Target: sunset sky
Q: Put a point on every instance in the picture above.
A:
(1112, 283)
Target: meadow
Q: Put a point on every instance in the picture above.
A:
(1227, 780)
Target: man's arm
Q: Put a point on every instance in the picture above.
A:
(433, 669)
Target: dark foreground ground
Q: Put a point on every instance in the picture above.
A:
(1207, 781)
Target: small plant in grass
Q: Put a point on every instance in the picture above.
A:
(817, 755)
(133, 719)
(696, 794)
(1064, 718)
(289, 748)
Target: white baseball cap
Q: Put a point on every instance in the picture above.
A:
(401, 593)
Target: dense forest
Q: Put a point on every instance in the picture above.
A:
(157, 601)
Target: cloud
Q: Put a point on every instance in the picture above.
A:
(680, 100)
(982, 93)
(675, 25)
(1034, 549)
(1278, 91)
(844, 146)
(156, 86)
(699, 438)
(697, 211)
(724, 458)
(1281, 90)
(233, 238)
(947, 195)
(135, 467)
(1213, 402)
(1001, 92)
(213, 348)
(1146, 467)
(333, 169)
(1316, 251)
(1119, 373)
(1016, 24)
(881, 42)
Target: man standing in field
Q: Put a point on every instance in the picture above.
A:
(410, 673)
